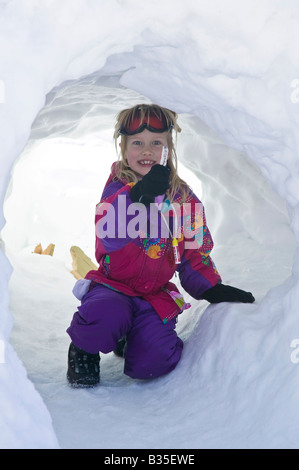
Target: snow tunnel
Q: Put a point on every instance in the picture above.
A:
(238, 155)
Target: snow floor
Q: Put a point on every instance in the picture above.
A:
(182, 410)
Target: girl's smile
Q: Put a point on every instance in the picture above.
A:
(144, 150)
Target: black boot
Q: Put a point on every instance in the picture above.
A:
(119, 351)
(83, 367)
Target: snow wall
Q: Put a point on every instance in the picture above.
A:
(232, 74)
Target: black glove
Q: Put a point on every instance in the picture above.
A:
(222, 293)
(154, 183)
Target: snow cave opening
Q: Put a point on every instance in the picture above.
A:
(59, 177)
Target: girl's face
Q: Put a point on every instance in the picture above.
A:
(144, 150)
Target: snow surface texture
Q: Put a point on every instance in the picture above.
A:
(231, 73)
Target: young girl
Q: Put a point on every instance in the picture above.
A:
(129, 305)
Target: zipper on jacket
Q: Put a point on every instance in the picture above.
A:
(174, 241)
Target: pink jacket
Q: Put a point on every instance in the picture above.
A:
(134, 262)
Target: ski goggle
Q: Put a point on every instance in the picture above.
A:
(152, 123)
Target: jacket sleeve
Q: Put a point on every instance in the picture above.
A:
(197, 271)
(114, 224)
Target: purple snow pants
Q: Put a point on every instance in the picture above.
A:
(105, 316)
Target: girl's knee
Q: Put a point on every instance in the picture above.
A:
(153, 362)
(102, 319)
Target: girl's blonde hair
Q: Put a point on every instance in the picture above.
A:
(123, 120)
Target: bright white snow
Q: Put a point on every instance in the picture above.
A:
(231, 74)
